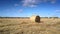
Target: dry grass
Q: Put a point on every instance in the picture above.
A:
(25, 26)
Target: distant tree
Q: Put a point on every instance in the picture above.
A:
(54, 17)
(45, 17)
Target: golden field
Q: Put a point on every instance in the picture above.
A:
(25, 26)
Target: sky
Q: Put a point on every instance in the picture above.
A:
(27, 8)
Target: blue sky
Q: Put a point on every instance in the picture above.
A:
(26, 8)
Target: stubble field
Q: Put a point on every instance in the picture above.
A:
(25, 26)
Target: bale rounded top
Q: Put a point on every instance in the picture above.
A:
(35, 18)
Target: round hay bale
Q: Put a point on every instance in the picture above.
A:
(35, 18)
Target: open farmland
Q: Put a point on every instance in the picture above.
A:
(25, 26)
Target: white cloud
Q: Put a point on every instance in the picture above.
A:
(16, 4)
(33, 6)
(30, 3)
(58, 11)
(34, 3)
(45, 0)
(20, 10)
(53, 1)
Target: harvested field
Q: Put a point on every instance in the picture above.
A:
(25, 26)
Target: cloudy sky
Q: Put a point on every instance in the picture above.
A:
(23, 8)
